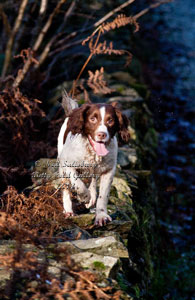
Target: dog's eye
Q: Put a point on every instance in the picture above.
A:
(110, 121)
(93, 120)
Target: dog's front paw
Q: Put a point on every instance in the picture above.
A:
(102, 218)
(68, 214)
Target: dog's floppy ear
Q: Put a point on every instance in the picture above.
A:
(77, 119)
(123, 122)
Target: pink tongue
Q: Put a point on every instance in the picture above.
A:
(100, 149)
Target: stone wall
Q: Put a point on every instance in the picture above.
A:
(121, 253)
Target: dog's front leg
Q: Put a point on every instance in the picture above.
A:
(93, 193)
(67, 203)
(101, 208)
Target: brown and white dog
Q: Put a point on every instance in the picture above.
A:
(87, 137)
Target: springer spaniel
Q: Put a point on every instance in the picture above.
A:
(87, 143)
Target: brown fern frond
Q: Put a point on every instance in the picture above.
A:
(103, 48)
(129, 58)
(27, 54)
(119, 21)
(101, 295)
(86, 96)
(117, 295)
(86, 295)
(87, 284)
(91, 36)
(97, 83)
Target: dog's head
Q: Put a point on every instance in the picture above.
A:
(99, 122)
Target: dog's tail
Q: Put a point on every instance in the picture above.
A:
(68, 105)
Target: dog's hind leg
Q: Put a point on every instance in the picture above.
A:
(82, 192)
(93, 192)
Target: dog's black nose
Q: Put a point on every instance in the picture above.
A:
(101, 135)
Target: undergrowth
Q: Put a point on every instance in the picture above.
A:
(33, 224)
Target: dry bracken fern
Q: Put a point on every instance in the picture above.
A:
(97, 83)
(27, 54)
(119, 21)
(103, 48)
(30, 264)
(17, 121)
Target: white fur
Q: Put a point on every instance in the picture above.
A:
(102, 127)
(78, 149)
(61, 136)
